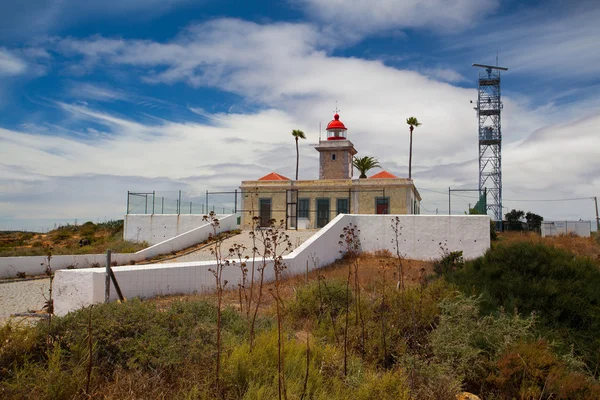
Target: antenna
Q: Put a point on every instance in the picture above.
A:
(490, 67)
(336, 108)
(319, 131)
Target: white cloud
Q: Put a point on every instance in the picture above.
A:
(348, 17)
(10, 64)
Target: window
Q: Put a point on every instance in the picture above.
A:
(382, 205)
(342, 206)
(303, 205)
(333, 157)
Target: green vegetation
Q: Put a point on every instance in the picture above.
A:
(364, 164)
(518, 323)
(562, 289)
(89, 238)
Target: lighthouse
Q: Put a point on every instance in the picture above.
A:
(335, 152)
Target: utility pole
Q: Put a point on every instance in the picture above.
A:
(597, 217)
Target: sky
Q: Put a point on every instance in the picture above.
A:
(101, 98)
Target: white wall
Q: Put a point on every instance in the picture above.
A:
(10, 266)
(159, 227)
(189, 238)
(420, 238)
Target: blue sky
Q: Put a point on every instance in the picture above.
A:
(97, 98)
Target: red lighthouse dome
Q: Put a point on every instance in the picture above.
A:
(336, 130)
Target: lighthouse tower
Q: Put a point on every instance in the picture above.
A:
(336, 152)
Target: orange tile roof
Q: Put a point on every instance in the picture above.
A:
(383, 175)
(273, 176)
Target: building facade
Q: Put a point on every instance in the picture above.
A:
(311, 204)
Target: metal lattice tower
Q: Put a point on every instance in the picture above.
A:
(489, 107)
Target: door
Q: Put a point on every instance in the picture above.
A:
(264, 211)
(322, 212)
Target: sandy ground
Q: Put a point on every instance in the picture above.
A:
(296, 239)
(22, 296)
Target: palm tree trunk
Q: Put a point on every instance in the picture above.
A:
(410, 156)
(297, 158)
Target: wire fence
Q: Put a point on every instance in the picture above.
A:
(179, 202)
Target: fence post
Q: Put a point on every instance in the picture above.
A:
(449, 213)
(153, 200)
(146, 206)
(235, 202)
(190, 207)
(207, 201)
(128, 202)
(179, 209)
(162, 209)
(107, 280)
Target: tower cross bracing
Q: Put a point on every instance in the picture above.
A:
(489, 109)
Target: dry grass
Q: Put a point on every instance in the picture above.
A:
(370, 271)
(581, 246)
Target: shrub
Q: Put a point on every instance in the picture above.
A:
(530, 370)
(21, 274)
(467, 342)
(319, 299)
(450, 261)
(564, 290)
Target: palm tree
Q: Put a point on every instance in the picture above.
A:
(364, 164)
(412, 121)
(297, 134)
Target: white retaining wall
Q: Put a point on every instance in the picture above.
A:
(159, 227)
(420, 239)
(10, 266)
(190, 238)
(35, 265)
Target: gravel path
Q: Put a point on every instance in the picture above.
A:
(296, 238)
(23, 296)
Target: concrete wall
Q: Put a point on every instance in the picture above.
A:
(9, 266)
(420, 239)
(159, 227)
(189, 238)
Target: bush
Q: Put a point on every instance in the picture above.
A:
(530, 370)
(450, 261)
(319, 299)
(467, 342)
(564, 290)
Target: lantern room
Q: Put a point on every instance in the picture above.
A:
(336, 129)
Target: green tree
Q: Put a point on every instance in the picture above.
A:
(364, 164)
(514, 219)
(412, 122)
(297, 134)
(534, 221)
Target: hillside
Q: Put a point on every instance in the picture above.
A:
(66, 240)
(344, 331)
